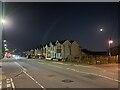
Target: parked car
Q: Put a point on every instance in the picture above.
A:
(42, 57)
(29, 56)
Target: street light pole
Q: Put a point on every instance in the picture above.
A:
(0, 30)
(2, 22)
(110, 42)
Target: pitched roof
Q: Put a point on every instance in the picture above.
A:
(61, 41)
(71, 41)
(53, 43)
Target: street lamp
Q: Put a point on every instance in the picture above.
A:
(110, 42)
(4, 41)
(3, 21)
(101, 30)
(5, 45)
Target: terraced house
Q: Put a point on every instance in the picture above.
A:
(62, 50)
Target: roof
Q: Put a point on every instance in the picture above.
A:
(88, 52)
(53, 43)
(71, 41)
(61, 41)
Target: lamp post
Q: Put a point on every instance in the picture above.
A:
(110, 42)
(3, 22)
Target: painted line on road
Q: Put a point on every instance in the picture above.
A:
(54, 66)
(88, 73)
(13, 86)
(24, 71)
(96, 75)
(34, 80)
(58, 63)
(41, 62)
(0, 85)
(8, 83)
(80, 66)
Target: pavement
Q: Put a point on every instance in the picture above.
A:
(42, 74)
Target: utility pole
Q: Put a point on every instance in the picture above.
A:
(1, 29)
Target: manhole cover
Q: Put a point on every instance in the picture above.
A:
(51, 75)
(67, 81)
(91, 76)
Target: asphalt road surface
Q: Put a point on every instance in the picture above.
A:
(44, 74)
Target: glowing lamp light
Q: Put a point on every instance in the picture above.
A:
(4, 41)
(101, 30)
(110, 41)
(3, 21)
(5, 45)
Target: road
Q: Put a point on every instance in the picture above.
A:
(44, 74)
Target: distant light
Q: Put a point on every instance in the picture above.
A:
(5, 45)
(17, 57)
(101, 30)
(6, 49)
(4, 41)
(13, 56)
(110, 41)
(38, 54)
(3, 21)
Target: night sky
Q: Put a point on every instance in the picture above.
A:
(32, 24)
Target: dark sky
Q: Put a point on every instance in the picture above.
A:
(37, 23)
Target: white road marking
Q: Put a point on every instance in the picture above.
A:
(97, 75)
(67, 68)
(8, 85)
(80, 65)
(34, 80)
(13, 86)
(66, 64)
(0, 85)
(24, 70)
(89, 73)
(58, 62)
(41, 62)
(8, 81)
(54, 66)
(89, 67)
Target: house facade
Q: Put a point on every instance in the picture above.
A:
(76, 53)
(66, 50)
(59, 50)
(47, 52)
(62, 50)
(52, 50)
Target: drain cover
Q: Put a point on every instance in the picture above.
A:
(67, 81)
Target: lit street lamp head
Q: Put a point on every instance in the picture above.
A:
(5, 45)
(101, 30)
(4, 41)
(3, 21)
(110, 41)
